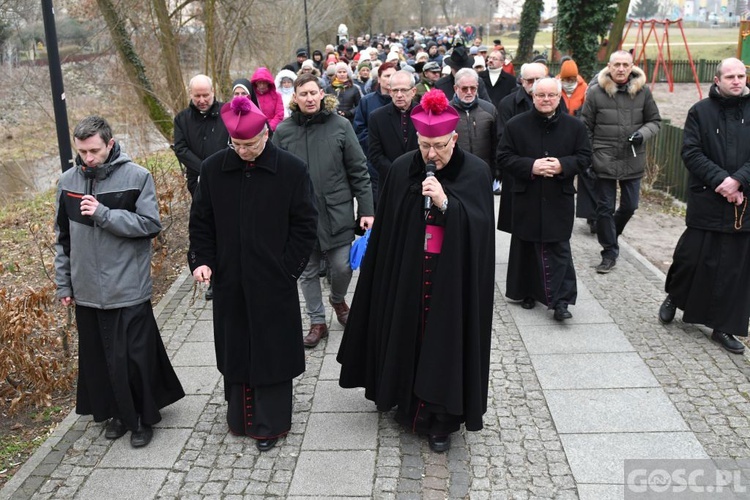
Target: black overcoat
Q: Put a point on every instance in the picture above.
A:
(386, 139)
(379, 347)
(543, 207)
(255, 227)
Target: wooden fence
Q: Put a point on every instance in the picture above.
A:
(665, 170)
(681, 71)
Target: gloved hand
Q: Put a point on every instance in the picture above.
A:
(590, 173)
(636, 139)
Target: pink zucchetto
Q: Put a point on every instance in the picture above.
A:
(242, 118)
(434, 116)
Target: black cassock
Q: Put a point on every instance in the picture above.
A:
(124, 370)
(540, 264)
(419, 329)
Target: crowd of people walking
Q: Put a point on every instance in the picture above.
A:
(407, 136)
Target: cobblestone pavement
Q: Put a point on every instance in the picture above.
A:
(568, 403)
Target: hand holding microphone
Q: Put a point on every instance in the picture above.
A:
(429, 171)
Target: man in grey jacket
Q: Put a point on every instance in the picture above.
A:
(621, 115)
(338, 169)
(107, 215)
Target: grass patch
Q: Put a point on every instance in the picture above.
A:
(12, 449)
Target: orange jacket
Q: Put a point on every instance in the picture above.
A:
(574, 102)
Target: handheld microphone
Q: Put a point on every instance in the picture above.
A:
(89, 174)
(429, 171)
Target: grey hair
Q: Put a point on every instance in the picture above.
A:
(463, 72)
(91, 126)
(204, 78)
(545, 79)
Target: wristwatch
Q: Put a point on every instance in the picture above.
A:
(444, 206)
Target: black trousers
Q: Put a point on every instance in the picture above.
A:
(610, 222)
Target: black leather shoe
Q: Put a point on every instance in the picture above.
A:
(606, 266)
(115, 429)
(528, 303)
(266, 444)
(439, 444)
(141, 436)
(561, 312)
(728, 342)
(667, 310)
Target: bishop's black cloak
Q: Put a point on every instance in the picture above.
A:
(384, 349)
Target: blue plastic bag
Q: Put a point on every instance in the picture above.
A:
(357, 253)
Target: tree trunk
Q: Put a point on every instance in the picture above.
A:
(444, 7)
(170, 56)
(135, 69)
(530, 16)
(618, 25)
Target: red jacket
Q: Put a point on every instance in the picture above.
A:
(270, 102)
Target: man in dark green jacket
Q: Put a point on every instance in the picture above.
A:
(326, 141)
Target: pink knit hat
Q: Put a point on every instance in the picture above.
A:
(433, 116)
(242, 118)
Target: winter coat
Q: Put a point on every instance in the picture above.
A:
(271, 103)
(196, 137)
(326, 141)
(386, 137)
(612, 113)
(503, 86)
(254, 227)
(543, 207)
(716, 145)
(574, 102)
(477, 130)
(348, 96)
(286, 94)
(104, 261)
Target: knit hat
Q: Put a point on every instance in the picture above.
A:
(568, 69)
(301, 52)
(433, 116)
(473, 51)
(364, 64)
(478, 62)
(242, 118)
(243, 83)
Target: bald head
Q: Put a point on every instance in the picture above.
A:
(201, 90)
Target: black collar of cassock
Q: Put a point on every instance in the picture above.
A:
(267, 160)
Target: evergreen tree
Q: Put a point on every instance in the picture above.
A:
(581, 24)
(530, 17)
(645, 9)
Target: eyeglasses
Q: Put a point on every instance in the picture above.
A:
(531, 80)
(468, 89)
(246, 147)
(401, 91)
(437, 147)
(546, 96)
